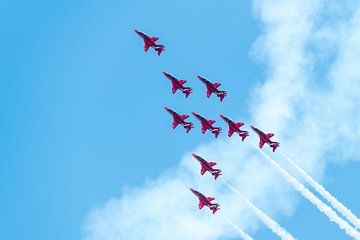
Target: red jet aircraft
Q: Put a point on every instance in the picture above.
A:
(207, 166)
(235, 127)
(207, 124)
(205, 201)
(150, 42)
(265, 138)
(213, 88)
(178, 84)
(179, 119)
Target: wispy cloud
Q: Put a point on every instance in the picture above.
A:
(289, 100)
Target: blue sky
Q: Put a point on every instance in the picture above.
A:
(82, 106)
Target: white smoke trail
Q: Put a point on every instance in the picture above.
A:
(270, 223)
(242, 234)
(329, 212)
(323, 192)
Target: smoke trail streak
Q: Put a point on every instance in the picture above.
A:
(323, 192)
(242, 234)
(329, 212)
(274, 226)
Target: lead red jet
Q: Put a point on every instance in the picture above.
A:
(207, 125)
(235, 127)
(206, 201)
(213, 88)
(207, 166)
(150, 42)
(178, 84)
(179, 119)
(265, 138)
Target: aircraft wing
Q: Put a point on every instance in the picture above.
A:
(183, 117)
(175, 124)
(203, 170)
(174, 88)
(208, 92)
(261, 143)
(210, 199)
(216, 85)
(203, 129)
(230, 133)
(212, 164)
(269, 135)
(239, 124)
(154, 39)
(146, 47)
(201, 204)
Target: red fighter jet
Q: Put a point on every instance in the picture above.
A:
(235, 127)
(150, 42)
(179, 119)
(205, 201)
(213, 88)
(207, 166)
(178, 84)
(265, 138)
(207, 125)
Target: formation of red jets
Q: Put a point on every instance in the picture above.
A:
(206, 124)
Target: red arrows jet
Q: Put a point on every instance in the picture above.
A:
(265, 138)
(207, 166)
(150, 42)
(235, 127)
(178, 84)
(207, 125)
(205, 201)
(179, 119)
(213, 88)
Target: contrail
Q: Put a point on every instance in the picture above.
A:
(274, 226)
(323, 192)
(242, 234)
(329, 212)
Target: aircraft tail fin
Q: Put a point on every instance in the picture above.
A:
(244, 135)
(275, 146)
(222, 95)
(215, 209)
(189, 127)
(187, 91)
(160, 49)
(217, 131)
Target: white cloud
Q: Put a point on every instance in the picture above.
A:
(310, 120)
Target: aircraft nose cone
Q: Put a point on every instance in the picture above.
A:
(253, 127)
(194, 113)
(192, 190)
